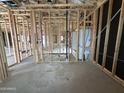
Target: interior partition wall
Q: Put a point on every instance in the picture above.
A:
(96, 37)
(3, 60)
(103, 31)
(113, 35)
(113, 52)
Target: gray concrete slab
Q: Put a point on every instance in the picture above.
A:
(28, 77)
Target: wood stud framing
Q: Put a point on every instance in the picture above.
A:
(8, 42)
(31, 29)
(29, 38)
(49, 35)
(83, 36)
(118, 40)
(107, 32)
(95, 20)
(99, 33)
(34, 37)
(41, 37)
(24, 37)
(12, 35)
(16, 39)
(77, 32)
(3, 61)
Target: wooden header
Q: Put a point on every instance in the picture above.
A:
(59, 6)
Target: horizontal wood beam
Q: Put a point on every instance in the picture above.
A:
(50, 9)
(2, 6)
(58, 6)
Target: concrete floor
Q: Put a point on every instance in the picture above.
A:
(57, 58)
(29, 77)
